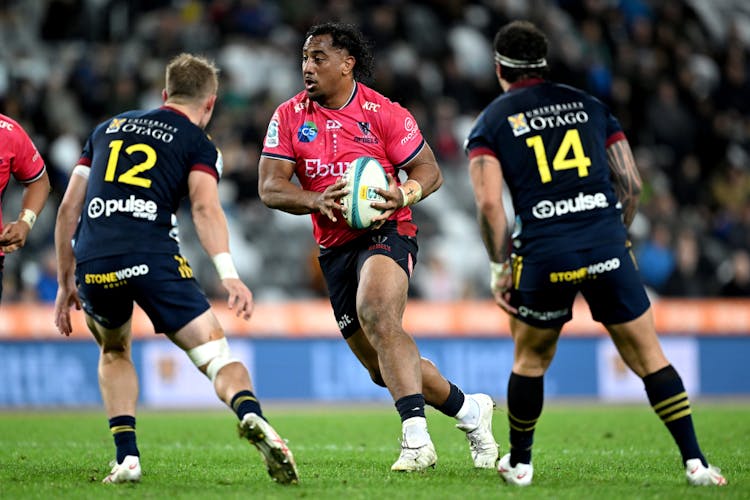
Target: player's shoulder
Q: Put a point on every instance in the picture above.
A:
(10, 128)
(575, 92)
(367, 94)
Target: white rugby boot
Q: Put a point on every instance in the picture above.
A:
(520, 475)
(484, 451)
(273, 449)
(417, 451)
(699, 475)
(129, 471)
(415, 459)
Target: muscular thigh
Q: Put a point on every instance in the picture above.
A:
(161, 284)
(342, 266)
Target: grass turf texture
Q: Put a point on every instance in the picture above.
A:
(581, 451)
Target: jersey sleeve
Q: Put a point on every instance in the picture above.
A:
(207, 157)
(403, 139)
(278, 140)
(28, 165)
(614, 130)
(479, 142)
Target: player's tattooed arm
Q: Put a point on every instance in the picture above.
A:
(626, 178)
(487, 181)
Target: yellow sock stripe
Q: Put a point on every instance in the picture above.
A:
(669, 401)
(532, 421)
(242, 399)
(520, 429)
(671, 409)
(681, 414)
(121, 428)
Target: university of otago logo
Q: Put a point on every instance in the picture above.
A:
(518, 124)
(307, 132)
(115, 125)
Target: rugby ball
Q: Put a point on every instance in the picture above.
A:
(362, 177)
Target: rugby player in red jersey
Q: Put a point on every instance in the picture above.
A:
(20, 158)
(314, 136)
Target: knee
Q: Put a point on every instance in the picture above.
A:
(211, 357)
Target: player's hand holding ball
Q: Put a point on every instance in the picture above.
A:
(367, 186)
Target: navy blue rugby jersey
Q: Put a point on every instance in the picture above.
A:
(140, 162)
(551, 142)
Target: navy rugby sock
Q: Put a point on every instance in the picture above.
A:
(123, 430)
(245, 402)
(411, 406)
(668, 398)
(453, 404)
(525, 400)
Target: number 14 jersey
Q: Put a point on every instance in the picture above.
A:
(551, 142)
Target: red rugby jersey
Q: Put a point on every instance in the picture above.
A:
(18, 156)
(321, 142)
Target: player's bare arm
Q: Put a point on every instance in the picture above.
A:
(626, 178)
(67, 219)
(211, 227)
(487, 181)
(277, 190)
(35, 196)
(423, 178)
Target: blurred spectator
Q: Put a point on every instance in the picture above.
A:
(693, 275)
(739, 270)
(655, 257)
(679, 82)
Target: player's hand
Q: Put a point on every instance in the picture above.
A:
(501, 281)
(393, 200)
(328, 202)
(240, 298)
(14, 236)
(67, 297)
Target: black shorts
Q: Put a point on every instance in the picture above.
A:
(162, 284)
(607, 277)
(341, 266)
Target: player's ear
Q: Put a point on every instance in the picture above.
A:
(210, 103)
(347, 66)
(164, 95)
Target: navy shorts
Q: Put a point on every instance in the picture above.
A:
(161, 284)
(341, 266)
(607, 277)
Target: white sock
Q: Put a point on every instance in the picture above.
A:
(468, 415)
(415, 432)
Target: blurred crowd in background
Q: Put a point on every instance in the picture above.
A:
(676, 73)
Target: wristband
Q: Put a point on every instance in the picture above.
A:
(413, 194)
(498, 272)
(28, 216)
(225, 266)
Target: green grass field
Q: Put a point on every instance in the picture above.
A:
(582, 451)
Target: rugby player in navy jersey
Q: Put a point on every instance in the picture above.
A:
(117, 243)
(574, 188)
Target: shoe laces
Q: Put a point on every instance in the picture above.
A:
(478, 441)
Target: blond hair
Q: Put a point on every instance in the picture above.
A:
(190, 78)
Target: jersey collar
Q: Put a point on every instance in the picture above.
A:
(174, 110)
(528, 82)
(351, 98)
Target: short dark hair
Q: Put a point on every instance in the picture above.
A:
(349, 37)
(523, 41)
